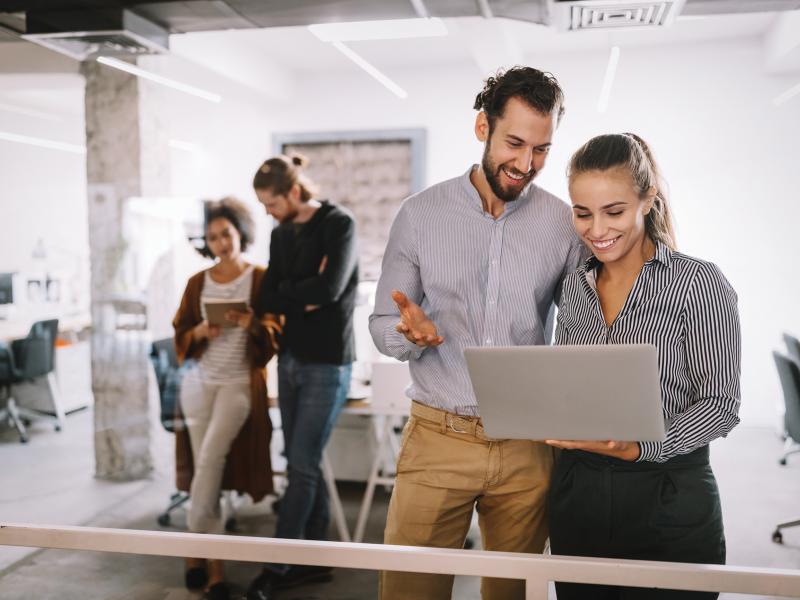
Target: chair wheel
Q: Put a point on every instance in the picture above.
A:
(231, 526)
(782, 462)
(164, 520)
(777, 536)
(469, 544)
(23, 440)
(57, 428)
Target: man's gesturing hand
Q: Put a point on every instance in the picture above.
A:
(414, 323)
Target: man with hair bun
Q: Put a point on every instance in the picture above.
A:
(311, 281)
(477, 260)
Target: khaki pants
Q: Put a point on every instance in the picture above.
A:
(214, 415)
(447, 466)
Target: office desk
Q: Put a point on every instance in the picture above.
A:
(389, 380)
(382, 426)
(72, 372)
(19, 325)
(383, 421)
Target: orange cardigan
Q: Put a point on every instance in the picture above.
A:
(248, 467)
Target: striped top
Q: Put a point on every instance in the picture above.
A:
(225, 359)
(687, 309)
(482, 281)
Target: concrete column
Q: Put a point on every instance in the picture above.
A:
(127, 156)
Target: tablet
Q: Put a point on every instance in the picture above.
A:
(609, 392)
(216, 309)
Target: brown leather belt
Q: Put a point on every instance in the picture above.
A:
(448, 421)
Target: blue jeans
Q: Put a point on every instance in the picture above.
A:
(310, 397)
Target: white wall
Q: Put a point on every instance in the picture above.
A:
(231, 144)
(727, 153)
(731, 164)
(231, 139)
(43, 194)
(43, 191)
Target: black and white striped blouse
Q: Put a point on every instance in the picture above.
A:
(687, 309)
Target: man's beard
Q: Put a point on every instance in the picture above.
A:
(492, 173)
(289, 216)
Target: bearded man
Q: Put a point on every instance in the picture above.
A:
(477, 260)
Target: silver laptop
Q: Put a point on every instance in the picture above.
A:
(607, 392)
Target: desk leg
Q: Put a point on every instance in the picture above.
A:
(52, 386)
(336, 502)
(366, 503)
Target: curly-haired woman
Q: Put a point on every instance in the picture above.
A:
(223, 394)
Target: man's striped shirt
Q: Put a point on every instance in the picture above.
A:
(482, 281)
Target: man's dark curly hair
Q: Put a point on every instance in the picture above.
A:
(538, 89)
(239, 216)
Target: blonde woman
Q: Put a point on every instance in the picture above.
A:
(644, 500)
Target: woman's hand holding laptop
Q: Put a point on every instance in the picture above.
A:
(623, 450)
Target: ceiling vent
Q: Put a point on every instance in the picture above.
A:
(586, 15)
(85, 35)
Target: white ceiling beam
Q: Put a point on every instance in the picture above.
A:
(485, 9)
(420, 9)
(782, 43)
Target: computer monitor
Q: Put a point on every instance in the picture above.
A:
(6, 288)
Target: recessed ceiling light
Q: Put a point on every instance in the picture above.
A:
(160, 79)
(373, 71)
(608, 80)
(42, 142)
(185, 146)
(29, 112)
(787, 95)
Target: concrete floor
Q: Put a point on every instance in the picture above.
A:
(50, 481)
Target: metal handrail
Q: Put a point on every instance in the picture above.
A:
(536, 570)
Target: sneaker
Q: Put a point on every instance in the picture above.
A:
(218, 591)
(263, 586)
(303, 574)
(196, 578)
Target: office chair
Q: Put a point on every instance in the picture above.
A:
(9, 374)
(26, 360)
(167, 370)
(792, 346)
(789, 374)
(168, 377)
(49, 328)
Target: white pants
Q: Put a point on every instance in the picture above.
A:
(214, 415)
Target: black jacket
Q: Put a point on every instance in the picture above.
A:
(293, 281)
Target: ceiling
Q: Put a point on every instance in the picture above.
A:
(244, 40)
(466, 36)
(214, 15)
